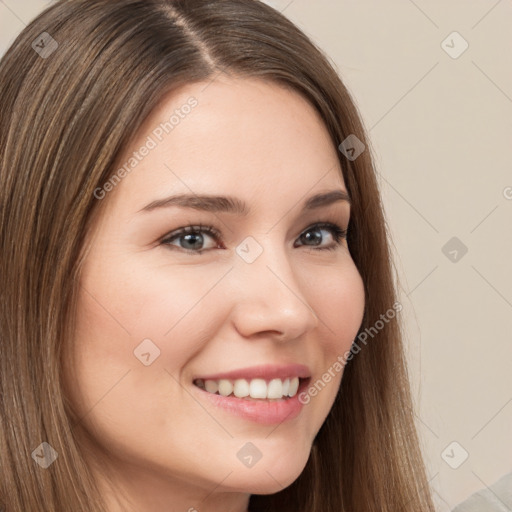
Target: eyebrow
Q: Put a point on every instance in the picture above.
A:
(229, 204)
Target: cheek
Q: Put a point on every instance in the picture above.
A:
(133, 301)
(109, 386)
(338, 297)
(121, 307)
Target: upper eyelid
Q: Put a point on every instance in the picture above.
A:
(214, 232)
(208, 227)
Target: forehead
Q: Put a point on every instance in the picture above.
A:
(237, 136)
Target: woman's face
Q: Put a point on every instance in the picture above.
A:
(266, 291)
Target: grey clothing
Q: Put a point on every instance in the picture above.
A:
(496, 498)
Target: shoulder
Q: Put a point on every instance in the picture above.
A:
(496, 498)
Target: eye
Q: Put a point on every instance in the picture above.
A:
(338, 234)
(192, 237)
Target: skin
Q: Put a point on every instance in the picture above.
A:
(166, 449)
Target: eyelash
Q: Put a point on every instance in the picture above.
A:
(337, 232)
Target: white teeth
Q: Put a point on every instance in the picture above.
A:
(241, 388)
(258, 388)
(294, 386)
(211, 386)
(286, 387)
(225, 387)
(276, 389)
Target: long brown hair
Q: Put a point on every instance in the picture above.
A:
(69, 107)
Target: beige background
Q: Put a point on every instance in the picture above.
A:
(441, 134)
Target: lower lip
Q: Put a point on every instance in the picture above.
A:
(264, 412)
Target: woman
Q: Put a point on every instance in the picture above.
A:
(169, 341)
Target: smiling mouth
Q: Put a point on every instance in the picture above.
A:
(253, 389)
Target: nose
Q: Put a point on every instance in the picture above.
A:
(269, 299)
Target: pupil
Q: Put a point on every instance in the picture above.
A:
(198, 237)
(317, 238)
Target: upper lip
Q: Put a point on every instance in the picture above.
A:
(267, 372)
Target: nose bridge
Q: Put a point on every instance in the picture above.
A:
(270, 297)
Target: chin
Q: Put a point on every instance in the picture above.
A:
(271, 477)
